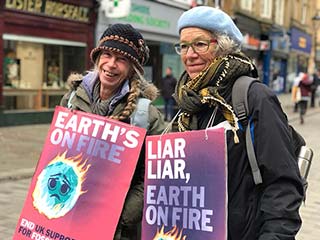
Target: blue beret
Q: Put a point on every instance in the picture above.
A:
(210, 19)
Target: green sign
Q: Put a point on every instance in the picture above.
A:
(140, 14)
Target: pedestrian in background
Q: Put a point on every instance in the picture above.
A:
(168, 85)
(314, 87)
(210, 50)
(112, 89)
(295, 92)
(302, 93)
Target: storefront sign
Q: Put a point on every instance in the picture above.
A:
(251, 42)
(115, 9)
(300, 41)
(281, 43)
(50, 8)
(155, 21)
(148, 16)
(141, 14)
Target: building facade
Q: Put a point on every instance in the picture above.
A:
(41, 42)
(277, 36)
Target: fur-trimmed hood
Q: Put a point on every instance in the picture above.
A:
(148, 90)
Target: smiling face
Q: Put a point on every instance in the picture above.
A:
(195, 62)
(113, 69)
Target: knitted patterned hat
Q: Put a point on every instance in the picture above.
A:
(126, 40)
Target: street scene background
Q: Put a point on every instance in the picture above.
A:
(21, 148)
(40, 45)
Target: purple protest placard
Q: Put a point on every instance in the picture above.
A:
(186, 186)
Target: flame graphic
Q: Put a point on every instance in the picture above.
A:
(55, 207)
(172, 234)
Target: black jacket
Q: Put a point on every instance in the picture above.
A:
(271, 209)
(168, 86)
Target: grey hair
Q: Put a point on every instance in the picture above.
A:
(225, 45)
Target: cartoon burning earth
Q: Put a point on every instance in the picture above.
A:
(59, 185)
(172, 234)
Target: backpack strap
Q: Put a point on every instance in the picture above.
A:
(140, 117)
(69, 104)
(240, 106)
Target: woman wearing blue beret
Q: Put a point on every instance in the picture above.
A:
(210, 49)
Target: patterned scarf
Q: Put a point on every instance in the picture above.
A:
(100, 107)
(210, 89)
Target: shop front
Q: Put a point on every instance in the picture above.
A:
(251, 45)
(300, 51)
(157, 23)
(42, 43)
(279, 52)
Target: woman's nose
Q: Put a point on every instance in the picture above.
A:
(112, 61)
(190, 51)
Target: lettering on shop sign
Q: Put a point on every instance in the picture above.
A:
(50, 8)
(141, 14)
(302, 42)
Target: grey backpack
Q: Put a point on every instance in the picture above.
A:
(240, 106)
(140, 117)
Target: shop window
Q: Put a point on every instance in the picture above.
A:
(73, 60)
(52, 76)
(279, 12)
(266, 7)
(11, 68)
(246, 5)
(35, 74)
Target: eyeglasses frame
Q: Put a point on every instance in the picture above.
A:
(190, 44)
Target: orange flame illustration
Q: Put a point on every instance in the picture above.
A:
(172, 234)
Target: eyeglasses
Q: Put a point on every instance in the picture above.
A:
(198, 46)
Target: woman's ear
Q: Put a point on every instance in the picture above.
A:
(131, 72)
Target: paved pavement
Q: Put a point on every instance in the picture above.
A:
(21, 147)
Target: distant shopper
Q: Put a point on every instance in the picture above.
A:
(314, 86)
(295, 95)
(168, 85)
(301, 93)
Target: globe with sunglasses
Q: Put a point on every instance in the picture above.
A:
(210, 50)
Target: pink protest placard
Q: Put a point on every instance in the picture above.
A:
(186, 186)
(82, 178)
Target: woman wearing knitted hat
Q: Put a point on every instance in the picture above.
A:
(113, 89)
(210, 49)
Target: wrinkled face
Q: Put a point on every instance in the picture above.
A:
(113, 68)
(194, 62)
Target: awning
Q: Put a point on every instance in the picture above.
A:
(23, 38)
(159, 37)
